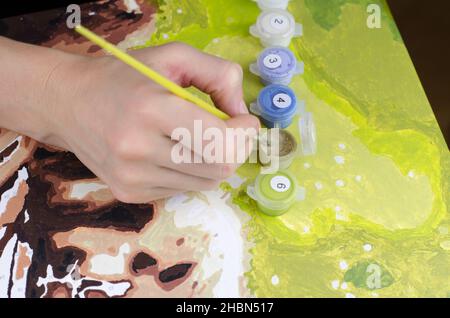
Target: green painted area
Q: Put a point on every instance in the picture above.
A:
(368, 274)
(378, 189)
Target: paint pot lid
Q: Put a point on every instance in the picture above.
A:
(277, 103)
(272, 4)
(276, 191)
(275, 24)
(308, 134)
(276, 62)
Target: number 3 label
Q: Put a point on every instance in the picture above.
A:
(282, 100)
(272, 61)
(280, 184)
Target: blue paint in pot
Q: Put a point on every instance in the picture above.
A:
(276, 65)
(276, 106)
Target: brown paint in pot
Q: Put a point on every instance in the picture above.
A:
(287, 149)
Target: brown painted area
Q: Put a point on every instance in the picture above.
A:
(108, 18)
(58, 290)
(180, 241)
(14, 205)
(62, 230)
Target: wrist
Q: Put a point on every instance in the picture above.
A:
(33, 85)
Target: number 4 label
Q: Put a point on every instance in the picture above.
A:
(282, 100)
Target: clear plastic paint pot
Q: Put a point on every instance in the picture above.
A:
(275, 193)
(276, 106)
(283, 149)
(272, 4)
(276, 65)
(307, 129)
(276, 27)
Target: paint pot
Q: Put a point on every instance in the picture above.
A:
(281, 147)
(272, 4)
(276, 27)
(308, 135)
(275, 193)
(276, 65)
(276, 106)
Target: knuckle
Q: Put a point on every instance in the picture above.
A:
(125, 178)
(210, 185)
(174, 48)
(125, 196)
(233, 73)
(226, 170)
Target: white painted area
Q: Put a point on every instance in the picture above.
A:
(216, 40)
(235, 181)
(275, 280)
(343, 265)
(342, 146)
(165, 36)
(340, 183)
(6, 260)
(335, 284)
(411, 174)
(358, 178)
(179, 11)
(340, 216)
(306, 229)
(318, 185)
(344, 285)
(19, 285)
(80, 190)
(7, 158)
(132, 6)
(104, 264)
(340, 160)
(226, 253)
(306, 165)
(2, 232)
(338, 208)
(11, 193)
(367, 247)
(350, 295)
(26, 216)
(75, 282)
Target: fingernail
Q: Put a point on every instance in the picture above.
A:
(243, 108)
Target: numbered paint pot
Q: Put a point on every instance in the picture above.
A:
(277, 145)
(272, 4)
(275, 193)
(308, 135)
(276, 27)
(276, 106)
(276, 65)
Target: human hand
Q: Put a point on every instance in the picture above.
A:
(119, 123)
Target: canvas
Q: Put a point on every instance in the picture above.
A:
(375, 220)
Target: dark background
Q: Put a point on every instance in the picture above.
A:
(425, 28)
(424, 25)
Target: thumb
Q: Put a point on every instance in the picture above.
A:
(244, 128)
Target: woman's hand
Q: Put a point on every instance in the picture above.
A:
(119, 123)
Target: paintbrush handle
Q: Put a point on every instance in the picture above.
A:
(151, 74)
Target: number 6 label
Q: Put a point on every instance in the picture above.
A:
(280, 184)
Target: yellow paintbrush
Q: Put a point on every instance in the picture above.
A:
(147, 71)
